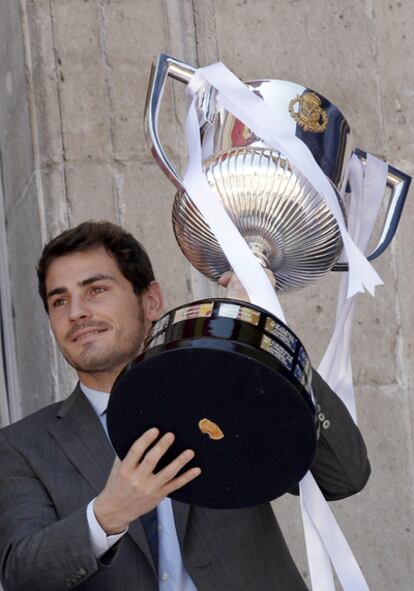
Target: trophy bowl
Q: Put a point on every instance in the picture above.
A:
(254, 181)
(285, 222)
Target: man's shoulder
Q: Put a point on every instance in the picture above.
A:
(35, 421)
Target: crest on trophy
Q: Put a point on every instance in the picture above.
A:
(309, 113)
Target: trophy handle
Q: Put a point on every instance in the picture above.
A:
(163, 67)
(399, 183)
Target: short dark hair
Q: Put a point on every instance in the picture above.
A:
(129, 254)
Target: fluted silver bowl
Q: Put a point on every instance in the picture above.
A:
(284, 220)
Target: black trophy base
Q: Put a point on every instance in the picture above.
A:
(252, 429)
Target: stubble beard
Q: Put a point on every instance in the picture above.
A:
(115, 357)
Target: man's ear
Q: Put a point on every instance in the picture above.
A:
(152, 301)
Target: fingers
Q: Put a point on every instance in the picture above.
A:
(139, 447)
(152, 458)
(145, 463)
(181, 481)
(175, 466)
(148, 460)
(225, 278)
(166, 477)
(230, 281)
(234, 287)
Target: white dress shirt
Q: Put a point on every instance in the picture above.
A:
(171, 571)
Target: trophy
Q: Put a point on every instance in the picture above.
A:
(229, 378)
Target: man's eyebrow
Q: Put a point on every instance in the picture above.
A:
(56, 291)
(98, 277)
(83, 283)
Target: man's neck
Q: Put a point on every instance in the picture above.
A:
(101, 381)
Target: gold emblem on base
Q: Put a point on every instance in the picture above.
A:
(211, 429)
(310, 115)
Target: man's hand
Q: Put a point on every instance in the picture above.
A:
(133, 489)
(234, 288)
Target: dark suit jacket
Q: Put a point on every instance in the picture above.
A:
(55, 461)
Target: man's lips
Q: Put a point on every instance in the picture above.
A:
(85, 333)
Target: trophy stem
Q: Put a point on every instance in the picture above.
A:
(259, 251)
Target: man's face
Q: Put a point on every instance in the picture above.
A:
(98, 321)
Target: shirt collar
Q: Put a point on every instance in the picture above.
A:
(98, 400)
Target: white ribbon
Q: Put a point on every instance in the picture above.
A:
(368, 186)
(324, 539)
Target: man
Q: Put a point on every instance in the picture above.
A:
(71, 515)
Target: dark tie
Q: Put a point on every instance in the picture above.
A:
(150, 523)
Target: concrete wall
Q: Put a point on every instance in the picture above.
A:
(73, 78)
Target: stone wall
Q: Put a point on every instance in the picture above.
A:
(73, 79)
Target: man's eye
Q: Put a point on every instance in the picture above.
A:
(98, 289)
(59, 302)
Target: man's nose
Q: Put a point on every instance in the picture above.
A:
(79, 309)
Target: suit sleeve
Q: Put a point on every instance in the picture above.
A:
(37, 550)
(341, 466)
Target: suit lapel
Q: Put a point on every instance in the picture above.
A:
(79, 433)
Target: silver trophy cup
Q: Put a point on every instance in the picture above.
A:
(228, 378)
(286, 223)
